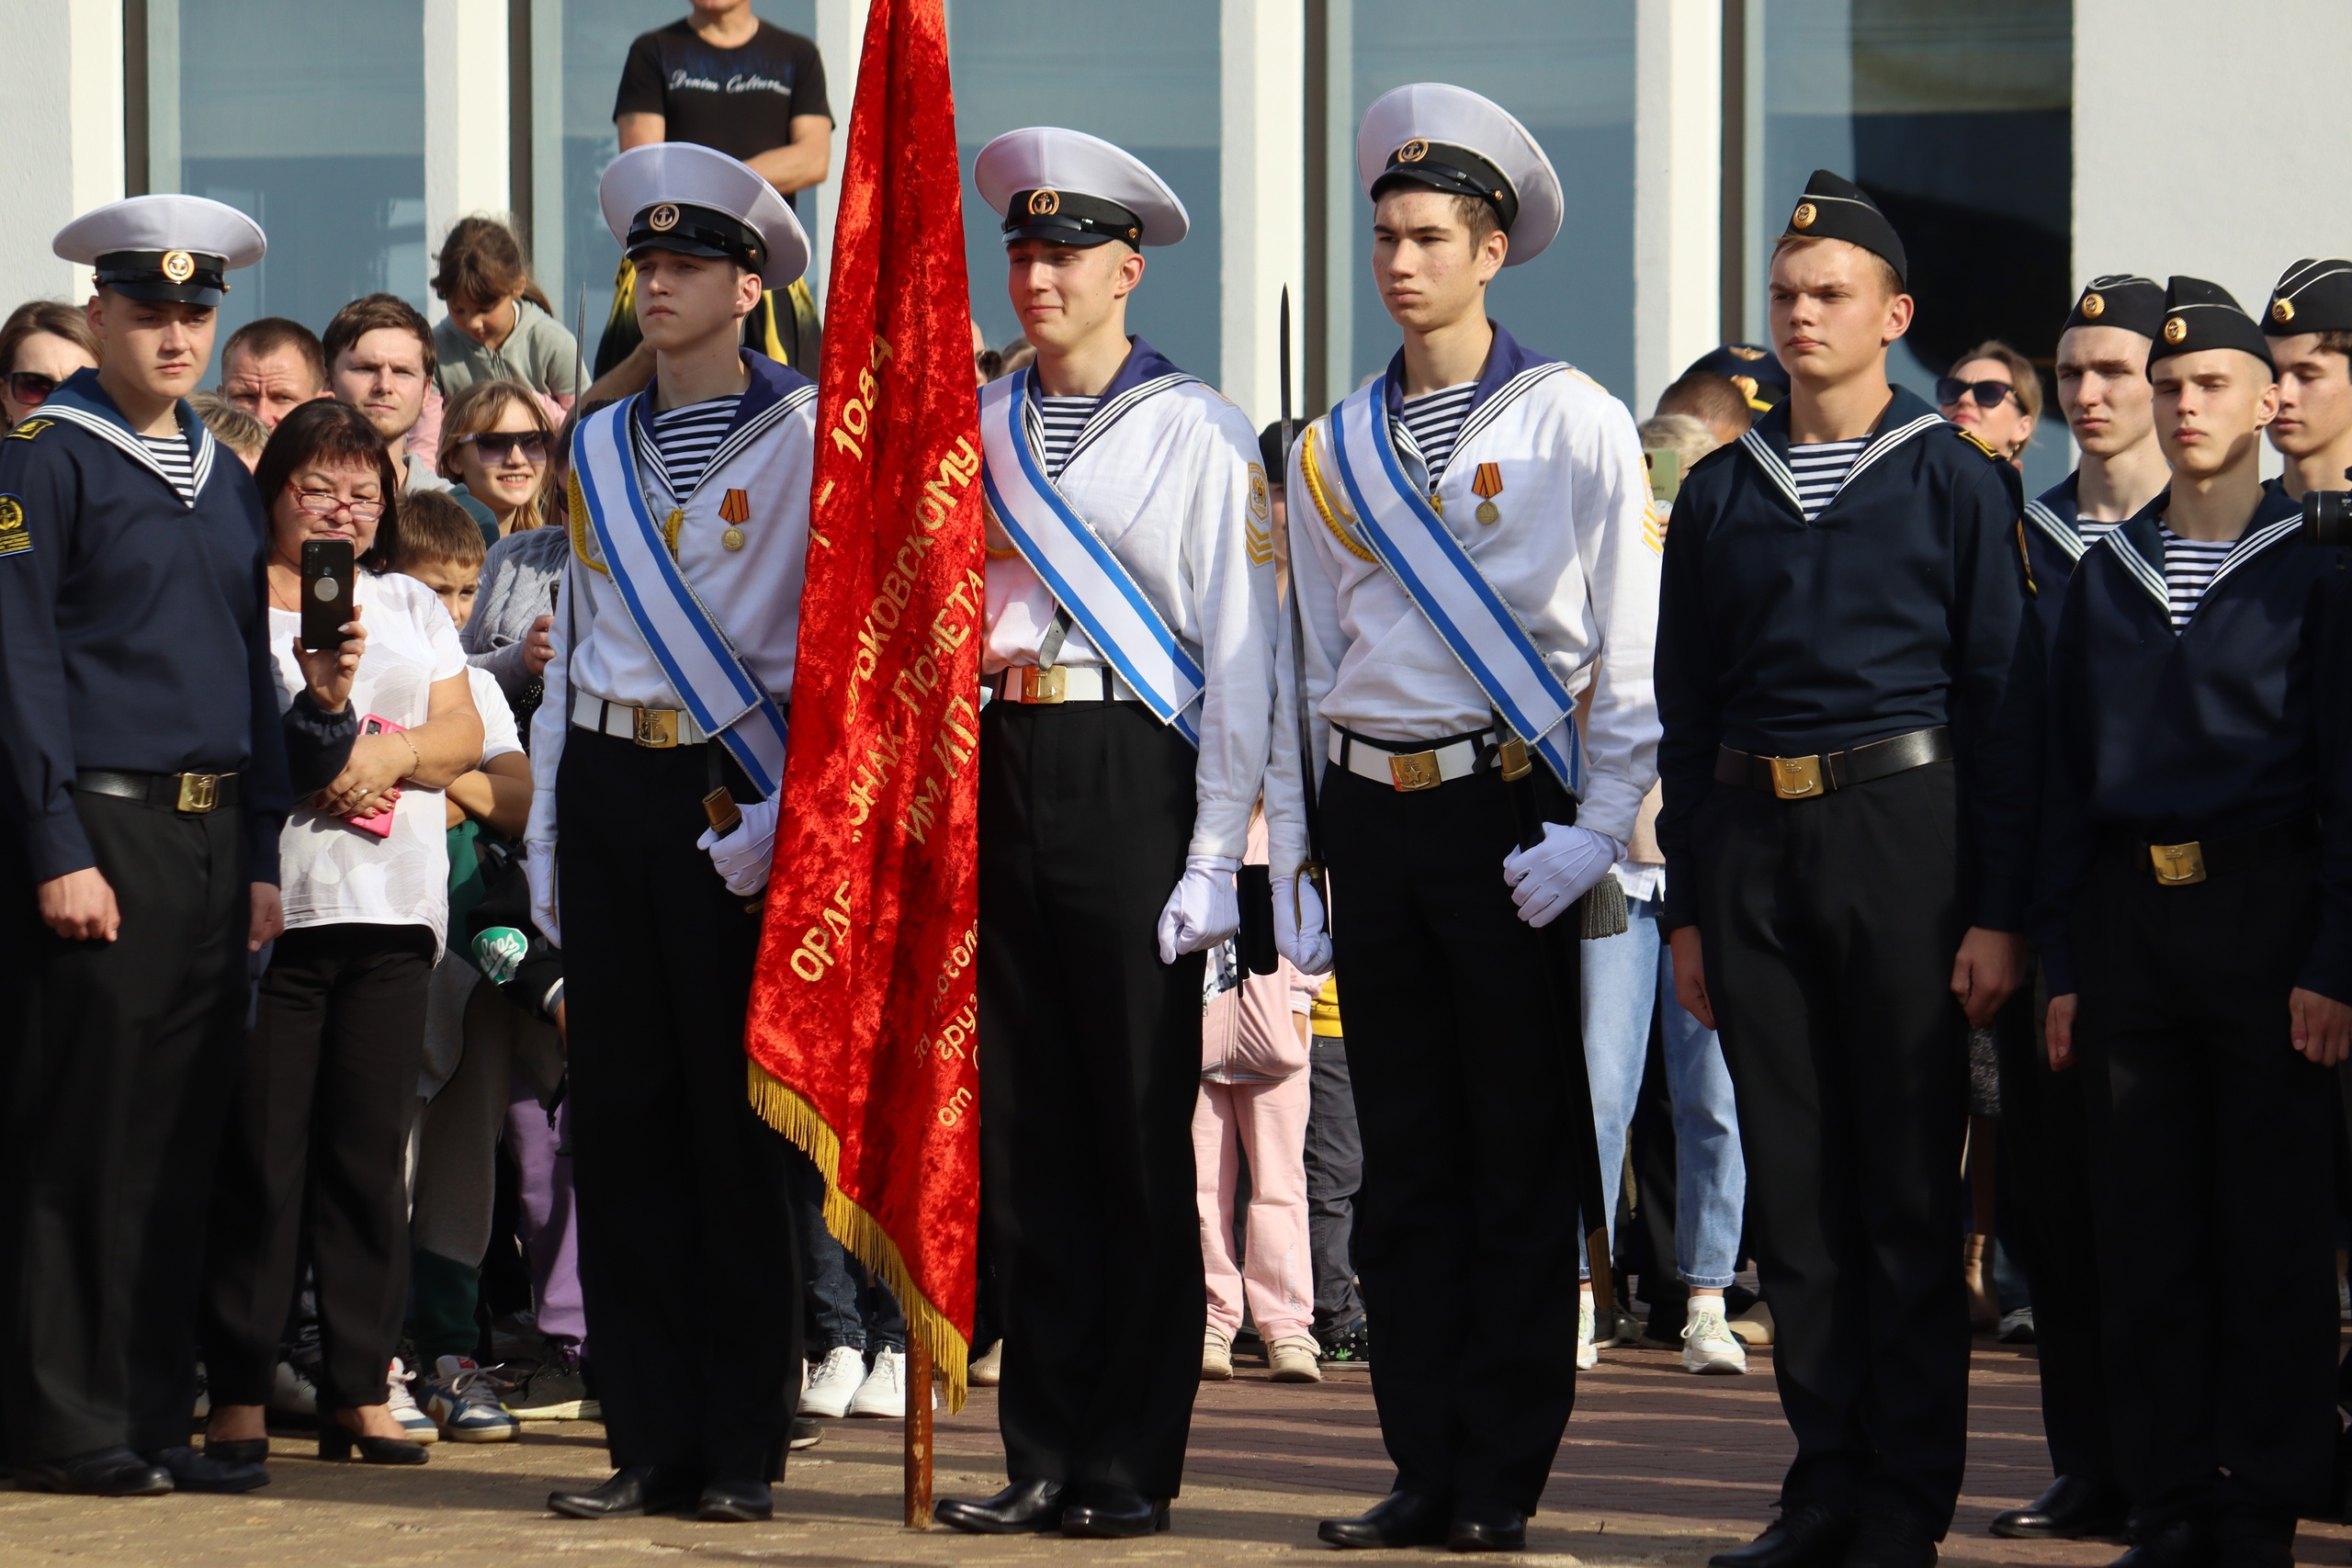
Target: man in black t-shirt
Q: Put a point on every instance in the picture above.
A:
(724, 78)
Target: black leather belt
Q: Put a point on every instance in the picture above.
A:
(2187, 863)
(1803, 778)
(194, 794)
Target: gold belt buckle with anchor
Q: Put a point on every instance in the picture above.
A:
(2179, 865)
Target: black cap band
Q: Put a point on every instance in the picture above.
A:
(1835, 207)
(2119, 300)
(1069, 217)
(187, 277)
(692, 231)
(2201, 315)
(2313, 296)
(1457, 171)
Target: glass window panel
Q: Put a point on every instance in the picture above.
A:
(593, 43)
(1960, 122)
(1566, 69)
(311, 119)
(1148, 83)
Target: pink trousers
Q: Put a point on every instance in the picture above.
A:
(1266, 1122)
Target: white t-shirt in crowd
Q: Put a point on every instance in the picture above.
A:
(499, 735)
(331, 873)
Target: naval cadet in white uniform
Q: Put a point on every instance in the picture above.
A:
(673, 660)
(1130, 648)
(1472, 549)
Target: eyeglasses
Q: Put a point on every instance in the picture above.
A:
(497, 447)
(319, 504)
(1950, 389)
(30, 387)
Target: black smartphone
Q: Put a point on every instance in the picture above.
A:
(327, 569)
(1253, 887)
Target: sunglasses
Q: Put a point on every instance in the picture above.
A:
(1950, 389)
(318, 504)
(497, 447)
(30, 387)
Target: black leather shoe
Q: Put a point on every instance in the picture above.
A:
(2179, 1543)
(2247, 1538)
(103, 1472)
(237, 1450)
(1810, 1537)
(193, 1471)
(1113, 1513)
(806, 1433)
(739, 1501)
(2072, 1507)
(1894, 1538)
(639, 1489)
(1401, 1518)
(1487, 1526)
(1021, 1507)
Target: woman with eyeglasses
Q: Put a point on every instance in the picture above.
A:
(313, 1161)
(1995, 395)
(494, 444)
(43, 341)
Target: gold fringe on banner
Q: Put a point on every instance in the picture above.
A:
(785, 1109)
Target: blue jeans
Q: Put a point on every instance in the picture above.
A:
(844, 1300)
(1624, 977)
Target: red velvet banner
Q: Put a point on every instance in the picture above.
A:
(860, 1037)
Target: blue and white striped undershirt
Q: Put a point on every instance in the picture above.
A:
(1435, 421)
(687, 436)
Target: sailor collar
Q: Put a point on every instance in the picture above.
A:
(79, 401)
(1766, 443)
(2140, 548)
(776, 390)
(1510, 370)
(1144, 371)
(2057, 513)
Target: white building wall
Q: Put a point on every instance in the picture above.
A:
(1678, 189)
(467, 146)
(1262, 180)
(61, 77)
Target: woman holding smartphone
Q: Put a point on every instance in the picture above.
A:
(317, 1140)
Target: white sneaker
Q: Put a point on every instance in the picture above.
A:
(986, 1370)
(420, 1427)
(884, 1392)
(1708, 1343)
(1292, 1359)
(1216, 1357)
(834, 1383)
(1587, 1354)
(461, 1399)
(1754, 1327)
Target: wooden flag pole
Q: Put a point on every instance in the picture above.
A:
(918, 1377)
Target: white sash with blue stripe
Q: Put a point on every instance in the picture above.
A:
(1413, 542)
(701, 666)
(1086, 579)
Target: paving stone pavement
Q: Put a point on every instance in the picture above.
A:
(1658, 1468)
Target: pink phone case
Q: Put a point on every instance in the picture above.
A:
(380, 824)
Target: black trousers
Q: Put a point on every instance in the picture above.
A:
(1830, 927)
(689, 1249)
(2046, 1166)
(2213, 1172)
(315, 1162)
(1089, 1067)
(1465, 1225)
(117, 1059)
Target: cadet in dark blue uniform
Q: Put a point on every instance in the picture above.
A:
(2196, 929)
(144, 782)
(1849, 684)
(2045, 1152)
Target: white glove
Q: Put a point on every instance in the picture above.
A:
(1299, 932)
(1204, 909)
(1556, 873)
(743, 856)
(539, 870)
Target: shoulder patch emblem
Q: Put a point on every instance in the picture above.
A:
(16, 539)
(1979, 443)
(1257, 529)
(27, 429)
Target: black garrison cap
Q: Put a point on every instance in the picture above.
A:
(1834, 207)
(2119, 300)
(2201, 315)
(2311, 296)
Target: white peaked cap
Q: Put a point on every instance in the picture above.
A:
(1403, 124)
(1054, 162)
(650, 196)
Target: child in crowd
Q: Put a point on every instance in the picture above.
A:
(496, 445)
(474, 1042)
(500, 326)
